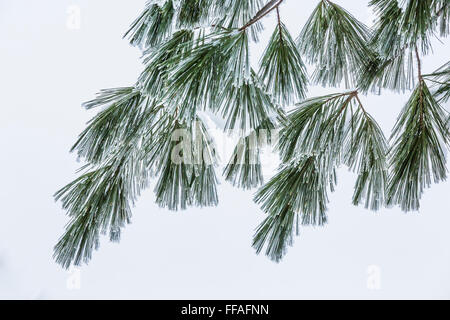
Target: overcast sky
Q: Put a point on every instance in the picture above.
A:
(48, 67)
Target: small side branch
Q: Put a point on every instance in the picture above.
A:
(279, 25)
(419, 65)
(421, 83)
(268, 8)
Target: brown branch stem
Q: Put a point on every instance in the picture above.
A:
(279, 25)
(268, 8)
(421, 84)
(419, 64)
(360, 103)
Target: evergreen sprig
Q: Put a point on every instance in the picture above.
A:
(187, 168)
(153, 26)
(246, 106)
(394, 72)
(336, 42)
(98, 203)
(417, 157)
(442, 13)
(319, 136)
(418, 23)
(196, 78)
(297, 194)
(365, 152)
(392, 66)
(315, 126)
(119, 121)
(282, 68)
(400, 28)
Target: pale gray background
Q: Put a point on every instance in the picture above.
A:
(47, 70)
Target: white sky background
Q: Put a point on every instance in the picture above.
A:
(47, 70)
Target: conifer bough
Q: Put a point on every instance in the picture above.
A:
(196, 58)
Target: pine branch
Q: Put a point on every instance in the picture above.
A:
(398, 33)
(418, 23)
(365, 151)
(417, 156)
(387, 36)
(392, 66)
(99, 201)
(196, 57)
(395, 72)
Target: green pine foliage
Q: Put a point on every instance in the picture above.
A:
(417, 158)
(118, 121)
(282, 68)
(418, 23)
(196, 57)
(442, 13)
(247, 106)
(320, 135)
(394, 71)
(315, 126)
(387, 34)
(233, 14)
(244, 170)
(365, 152)
(196, 80)
(336, 42)
(154, 78)
(153, 26)
(400, 28)
(392, 66)
(297, 194)
(98, 203)
(186, 177)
